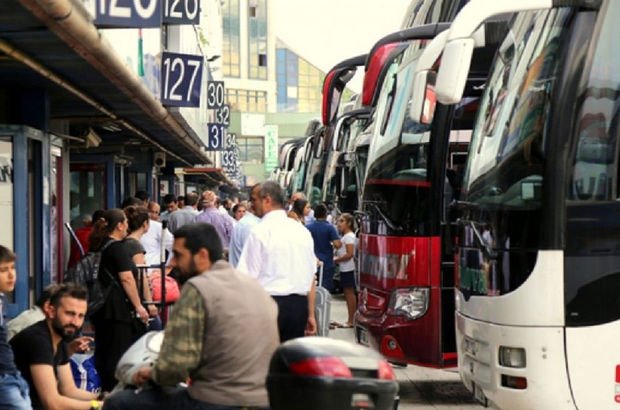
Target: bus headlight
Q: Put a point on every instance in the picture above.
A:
(410, 302)
(512, 357)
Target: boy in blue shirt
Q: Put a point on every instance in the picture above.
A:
(14, 394)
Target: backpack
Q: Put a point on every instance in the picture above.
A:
(86, 273)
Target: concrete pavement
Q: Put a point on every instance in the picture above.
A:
(420, 388)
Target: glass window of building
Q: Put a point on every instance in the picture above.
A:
(231, 46)
(257, 40)
(251, 149)
(246, 100)
(299, 82)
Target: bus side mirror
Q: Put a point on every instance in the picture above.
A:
(423, 99)
(452, 75)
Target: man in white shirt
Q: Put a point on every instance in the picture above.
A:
(241, 231)
(279, 252)
(151, 240)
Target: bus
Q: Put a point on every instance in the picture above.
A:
(340, 186)
(538, 260)
(406, 303)
(316, 156)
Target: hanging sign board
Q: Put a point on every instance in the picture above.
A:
(216, 137)
(128, 13)
(215, 94)
(181, 78)
(182, 12)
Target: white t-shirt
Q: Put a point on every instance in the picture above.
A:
(347, 239)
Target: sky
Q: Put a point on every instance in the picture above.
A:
(324, 32)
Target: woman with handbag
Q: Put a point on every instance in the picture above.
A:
(122, 319)
(138, 224)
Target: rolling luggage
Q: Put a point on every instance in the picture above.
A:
(322, 306)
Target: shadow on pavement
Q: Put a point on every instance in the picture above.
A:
(434, 392)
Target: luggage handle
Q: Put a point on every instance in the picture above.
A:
(321, 266)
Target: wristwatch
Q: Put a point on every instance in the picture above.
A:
(95, 405)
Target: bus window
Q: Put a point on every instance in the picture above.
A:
(592, 253)
(504, 174)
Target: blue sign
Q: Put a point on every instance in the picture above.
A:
(128, 13)
(181, 78)
(217, 137)
(182, 12)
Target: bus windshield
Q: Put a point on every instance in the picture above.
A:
(397, 190)
(502, 188)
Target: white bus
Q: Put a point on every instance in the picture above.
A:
(538, 263)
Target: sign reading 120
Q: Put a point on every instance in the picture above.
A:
(182, 11)
(181, 79)
(128, 13)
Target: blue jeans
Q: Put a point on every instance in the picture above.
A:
(14, 393)
(158, 398)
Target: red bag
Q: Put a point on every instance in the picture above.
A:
(172, 288)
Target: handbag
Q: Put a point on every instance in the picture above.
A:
(173, 293)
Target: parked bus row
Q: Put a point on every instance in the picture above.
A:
(482, 162)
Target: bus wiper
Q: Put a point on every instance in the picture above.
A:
(391, 224)
(485, 247)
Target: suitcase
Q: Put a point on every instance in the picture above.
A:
(322, 306)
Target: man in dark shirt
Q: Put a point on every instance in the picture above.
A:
(41, 353)
(325, 240)
(13, 388)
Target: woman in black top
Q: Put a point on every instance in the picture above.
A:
(122, 319)
(138, 222)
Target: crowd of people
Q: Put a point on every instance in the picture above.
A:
(246, 269)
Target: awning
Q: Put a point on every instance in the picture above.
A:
(53, 45)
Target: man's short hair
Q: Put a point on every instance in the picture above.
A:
(320, 211)
(201, 235)
(169, 198)
(6, 255)
(131, 201)
(142, 195)
(46, 295)
(68, 290)
(274, 191)
(191, 199)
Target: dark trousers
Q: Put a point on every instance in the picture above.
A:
(112, 339)
(159, 398)
(292, 316)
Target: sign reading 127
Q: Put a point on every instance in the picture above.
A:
(128, 13)
(181, 79)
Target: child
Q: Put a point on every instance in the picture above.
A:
(14, 394)
(344, 259)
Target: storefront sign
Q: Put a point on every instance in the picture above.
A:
(271, 147)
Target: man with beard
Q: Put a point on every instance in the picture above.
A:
(221, 334)
(41, 353)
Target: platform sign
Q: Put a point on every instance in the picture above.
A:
(271, 147)
(182, 12)
(222, 115)
(230, 155)
(128, 13)
(181, 78)
(215, 94)
(216, 137)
